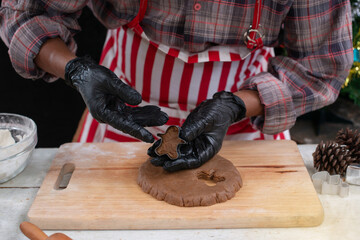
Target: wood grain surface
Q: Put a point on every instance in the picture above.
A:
(103, 194)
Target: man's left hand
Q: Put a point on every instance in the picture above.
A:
(204, 131)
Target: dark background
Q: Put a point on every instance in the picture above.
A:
(55, 107)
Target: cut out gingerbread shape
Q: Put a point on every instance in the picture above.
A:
(169, 142)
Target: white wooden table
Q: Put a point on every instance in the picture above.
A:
(342, 215)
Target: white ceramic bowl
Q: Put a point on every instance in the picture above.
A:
(15, 157)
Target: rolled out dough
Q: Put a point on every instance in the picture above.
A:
(191, 188)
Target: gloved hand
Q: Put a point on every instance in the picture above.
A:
(105, 95)
(204, 131)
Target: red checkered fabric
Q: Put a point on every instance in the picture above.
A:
(316, 35)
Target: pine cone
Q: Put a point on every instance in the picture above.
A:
(332, 157)
(351, 139)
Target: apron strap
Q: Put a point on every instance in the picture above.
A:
(139, 17)
(250, 35)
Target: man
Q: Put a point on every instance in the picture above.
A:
(213, 59)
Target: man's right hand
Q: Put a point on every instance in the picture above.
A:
(106, 97)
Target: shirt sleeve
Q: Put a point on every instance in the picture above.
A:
(318, 41)
(26, 25)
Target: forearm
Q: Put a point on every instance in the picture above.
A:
(53, 57)
(252, 102)
(25, 26)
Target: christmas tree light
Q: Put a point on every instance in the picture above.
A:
(351, 87)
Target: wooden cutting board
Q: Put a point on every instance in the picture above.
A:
(103, 194)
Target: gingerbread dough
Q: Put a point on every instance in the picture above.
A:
(190, 188)
(169, 142)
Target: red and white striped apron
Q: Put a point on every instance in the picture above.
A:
(175, 80)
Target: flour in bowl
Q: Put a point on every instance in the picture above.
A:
(5, 138)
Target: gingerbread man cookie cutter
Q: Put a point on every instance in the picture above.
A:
(169, 142)
(325, 183)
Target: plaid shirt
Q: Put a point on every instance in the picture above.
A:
(316, 34)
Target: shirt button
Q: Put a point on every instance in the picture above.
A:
(197, 6)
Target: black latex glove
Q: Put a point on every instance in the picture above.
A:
(204, 131)
(105, 95)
